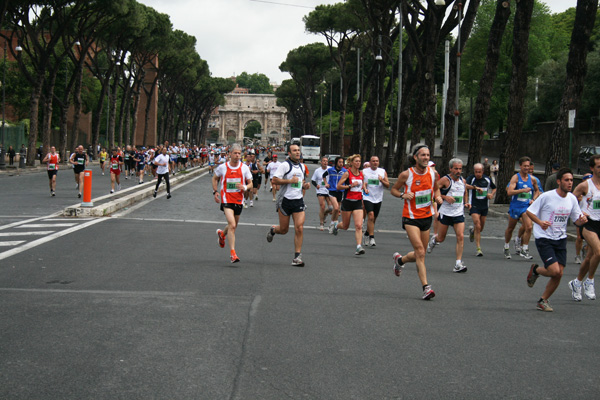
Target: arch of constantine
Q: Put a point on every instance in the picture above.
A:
(240, 109)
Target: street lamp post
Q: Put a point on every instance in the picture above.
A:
(2, 149)
(456, 110)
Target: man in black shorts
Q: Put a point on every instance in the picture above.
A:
(290, 202)
(481, 190)
(257, 170)
(78, 159)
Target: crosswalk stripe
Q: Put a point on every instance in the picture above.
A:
(13, 243)
(63, 225)
(32, 233)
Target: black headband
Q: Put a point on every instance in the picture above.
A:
(419, 147)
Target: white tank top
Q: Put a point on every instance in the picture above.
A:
(591, 201)
(373, 184)
(457, 190)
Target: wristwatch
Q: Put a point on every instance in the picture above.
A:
(214, 192)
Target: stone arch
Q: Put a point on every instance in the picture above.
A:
(231, 136)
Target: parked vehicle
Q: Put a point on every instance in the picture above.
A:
(331, 159)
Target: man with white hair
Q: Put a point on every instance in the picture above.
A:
(481, 190)
(452, 211)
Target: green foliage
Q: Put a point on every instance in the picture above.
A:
(252, 128)
(256, 83)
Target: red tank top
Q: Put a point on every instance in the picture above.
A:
(355, 192)
(229, 192)
(421, 206)
(53, 162)
(114, 163)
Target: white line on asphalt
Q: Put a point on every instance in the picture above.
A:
(47, 239)
(66, 219)
(62, 225)
(29, 220)
(121, 214)
(32, 233)
(13, 243)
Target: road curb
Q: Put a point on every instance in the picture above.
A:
(107, 208)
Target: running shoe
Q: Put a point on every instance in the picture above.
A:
(273, 200)
(234, 258)
(321, 228)
(168, 196)
(479, 252)
(53, 193)
(471, 233)
(398, 266)
(245, 205)
(588, 289)
(428, 293)
(270, 234)
(112, 191)
(365, 240)
(432, 243)
(577, 259)
(335, 229)
(154, 194)
(359, 250)
(330, 229)
(79, 195)
(575, 290)
(544, 305)
(251, 203)
(372, 242)
(532, 276)
(460, 267)
(525, 254)
(507, 254)
(221, 238)
(517, 245)
(256, 198)
(297, 262)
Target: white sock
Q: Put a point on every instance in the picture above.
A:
(588, 280)
(458, 262)
(577, 282)
(506, 246)
(525, 247)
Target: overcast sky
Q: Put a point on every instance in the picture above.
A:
(254, 36)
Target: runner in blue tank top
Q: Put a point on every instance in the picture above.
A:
(524, 190)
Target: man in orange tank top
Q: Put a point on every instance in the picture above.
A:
(417, 186)
(52, 159)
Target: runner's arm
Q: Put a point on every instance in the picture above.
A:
(341, 182)
(402, 177)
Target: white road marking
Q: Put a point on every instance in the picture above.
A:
(47, 239)
(66, 219)
(29, 220)
(32, 233)
(13, 243)
(105, 292)
(62, 225)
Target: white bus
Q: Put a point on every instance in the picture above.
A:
(310, 147)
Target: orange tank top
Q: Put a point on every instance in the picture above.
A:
(421, 206)
(53, 162)
(229, 192)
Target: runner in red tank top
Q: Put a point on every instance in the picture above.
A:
(418, 187)
(53, 159)
(352, 206)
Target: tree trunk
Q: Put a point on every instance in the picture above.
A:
(136, 107)
(47, 116)
(77, 106)
(484, 97)
(585, 16)
(34, 108)
(516, 110)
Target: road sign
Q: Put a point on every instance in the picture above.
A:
(571, 118)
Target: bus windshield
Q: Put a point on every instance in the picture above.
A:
(311, 142)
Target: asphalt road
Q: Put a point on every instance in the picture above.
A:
(145, 304)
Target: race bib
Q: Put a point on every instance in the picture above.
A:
(357, 188)
(524, 196)
(373, 182)
(596, 205)
(230, 186)
(51, 167)
(80, 161)
(114, 166)
(482, 195)
(457, 199)
(423, 198)
(297, 185)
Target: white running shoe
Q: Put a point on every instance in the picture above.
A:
(432, 243)
(251, 203)
(577, 259)
(372, 242)
(525, 254)
(460, 267)
(359, 250)
(518, 247)
(588, 289)
(321, 227)
(575, 290)
(365, 240)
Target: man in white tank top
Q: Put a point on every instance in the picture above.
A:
(452, 211)
(590, 192)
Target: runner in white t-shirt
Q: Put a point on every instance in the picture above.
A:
(322, 192)
(272, 168)
(550, 213)
(290, 202)
(162, 170)
(375, 179)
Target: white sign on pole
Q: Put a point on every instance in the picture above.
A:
(571, 118)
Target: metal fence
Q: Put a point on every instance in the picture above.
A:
(13, 136)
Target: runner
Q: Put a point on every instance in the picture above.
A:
(116, 163)
(481, 190)
(550, 212)
(126, 164)
(52, 159)
(352, 206)
(103, 155)
(332, 176)
(452, 211)
(234, 178)
(267, 160)
(78, 160)
(318, 182)
(211, 163)
(590, 192)
(290, 175)
(375, 180)
(140, 165)
(524, 190)
(257, 170)
(271, 169)
(420, 188)
(162, 169)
